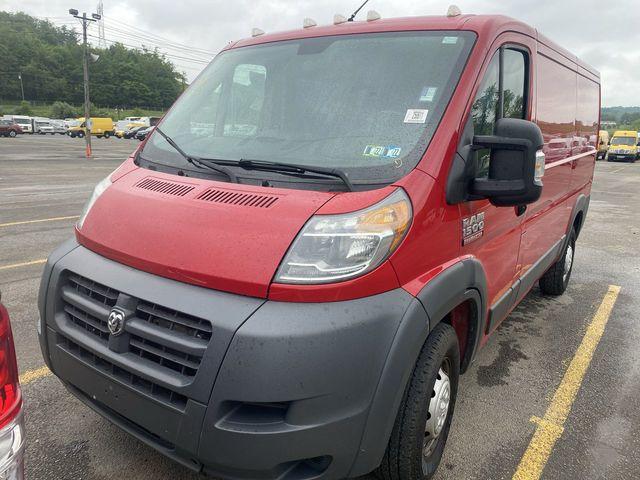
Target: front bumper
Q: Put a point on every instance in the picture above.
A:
(281, 390)
(621, 156)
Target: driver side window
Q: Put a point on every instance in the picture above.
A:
(502, 94)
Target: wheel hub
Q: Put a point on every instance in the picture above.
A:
(438, 412)
(568, 261)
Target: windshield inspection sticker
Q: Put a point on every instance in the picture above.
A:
(379, 151)
(428, 94)
(450, 40)
(416, 116)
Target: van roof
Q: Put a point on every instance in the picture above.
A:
(625, 133)
(487, 26)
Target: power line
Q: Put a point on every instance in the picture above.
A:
(170, 55)
(159, 38)
(131, 36)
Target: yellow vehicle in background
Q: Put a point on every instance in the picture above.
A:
(624, 146)
(603, 144)
(124, 132)
(100, 127)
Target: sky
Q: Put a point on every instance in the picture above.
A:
(605, 35)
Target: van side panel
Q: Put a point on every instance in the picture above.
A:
(546, 220)
(587, 121)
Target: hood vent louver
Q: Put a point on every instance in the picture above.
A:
(163, 186)
(242, 199)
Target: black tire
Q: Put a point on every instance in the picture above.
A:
(107, 134)
(12, 134)
(556, 279)
(80, 135)
(404, 459)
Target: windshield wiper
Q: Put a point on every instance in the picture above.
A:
(199, 162)
(295, 169)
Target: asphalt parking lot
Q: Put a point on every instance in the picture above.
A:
(528, 368)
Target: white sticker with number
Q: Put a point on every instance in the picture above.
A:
(415, 115)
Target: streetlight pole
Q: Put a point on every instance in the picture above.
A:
(21, 85)
(85, 70)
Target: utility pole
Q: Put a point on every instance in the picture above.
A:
(85, 69)
(21, 85)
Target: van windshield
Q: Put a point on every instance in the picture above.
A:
(623, 141)
(366, 104)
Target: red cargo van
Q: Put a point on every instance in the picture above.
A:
(287, 278)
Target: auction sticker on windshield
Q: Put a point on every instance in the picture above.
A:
(415, 115)
(379, 151)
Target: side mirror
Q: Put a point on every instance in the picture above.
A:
(516, 165)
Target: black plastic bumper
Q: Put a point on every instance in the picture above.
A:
(284, 390)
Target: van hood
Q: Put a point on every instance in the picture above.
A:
(212, 234)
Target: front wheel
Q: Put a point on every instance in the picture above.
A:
(107, 134)
(80, 134)
(424, 418)
(12, 134)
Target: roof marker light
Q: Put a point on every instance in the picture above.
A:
(339, 19)
(372, 16)
(454, 11)
(308, 23)
(256, 32)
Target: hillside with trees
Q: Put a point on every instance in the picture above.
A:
(49, 59)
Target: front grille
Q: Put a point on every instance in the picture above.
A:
(134, 381)
(168, 341)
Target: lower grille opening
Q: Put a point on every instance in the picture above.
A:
(136, 382)
(252, 416)
(308, 468)
(120, 419)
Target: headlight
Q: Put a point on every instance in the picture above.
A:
(332, 248)
(97, 191)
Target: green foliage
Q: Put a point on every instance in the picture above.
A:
(50, 61)
(63, 110)
(23, 109)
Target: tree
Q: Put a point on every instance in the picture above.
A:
(50, 61)
(62, 110)
(24, 109)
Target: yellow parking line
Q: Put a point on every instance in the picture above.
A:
(41, 220)
(31, 375)
(549, 428)
(23, 264)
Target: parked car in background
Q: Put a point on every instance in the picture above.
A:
(71, 122)
(100, 127)
(8, 128)
(130, 130)
(43, 127)
(624, 146)
(58, 126)
(12, 432)
(131, 133)
(143, 133)
(603, 144)
(25, 122)
(296, 296)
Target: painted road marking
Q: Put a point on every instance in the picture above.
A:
(32, 375)
(42, 220)
(549, 428)
(24, 264)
